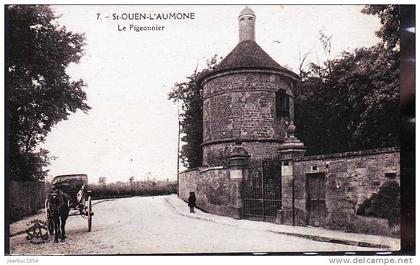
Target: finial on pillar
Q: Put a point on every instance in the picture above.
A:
(292, 147)
(247, 25)
(291, 130)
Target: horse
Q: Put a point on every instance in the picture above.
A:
(58, 212)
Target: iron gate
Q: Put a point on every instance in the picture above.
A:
(261, 191)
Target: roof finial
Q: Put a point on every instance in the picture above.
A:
(246, 24)
(247, 11)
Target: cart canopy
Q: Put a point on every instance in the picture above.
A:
(74, 181)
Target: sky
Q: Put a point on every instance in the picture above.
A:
(132, 128)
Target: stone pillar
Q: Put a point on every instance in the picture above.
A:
(289, 151)
(238, 168)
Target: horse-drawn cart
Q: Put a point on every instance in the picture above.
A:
(79, 200)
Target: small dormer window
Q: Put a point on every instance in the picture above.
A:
(282, 104)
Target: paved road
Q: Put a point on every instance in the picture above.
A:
(142, 225)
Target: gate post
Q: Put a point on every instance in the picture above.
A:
(290, 150)
(238, 168)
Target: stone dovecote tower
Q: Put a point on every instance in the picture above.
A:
(248, 97)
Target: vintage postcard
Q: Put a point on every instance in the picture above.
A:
(210, 129)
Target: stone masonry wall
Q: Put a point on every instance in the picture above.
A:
(216, 154)
(242, 105)
(214, 190)
(350, 179)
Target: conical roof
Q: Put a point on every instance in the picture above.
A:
(248, 54)
(247, 11)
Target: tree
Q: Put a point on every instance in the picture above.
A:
(40, 93)
(190, 95)
(102, 180)
(326, 47)
(354, 103)
(390, 20)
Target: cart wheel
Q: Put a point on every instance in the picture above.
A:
(89, 213)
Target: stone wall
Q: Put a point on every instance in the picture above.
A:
(242, 105)
(215, 190)
(350, 179)
(216, 154)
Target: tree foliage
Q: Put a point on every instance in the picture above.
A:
(352, 102)
(102, 180)
(390, 20)
(40, 92)
(190, 95)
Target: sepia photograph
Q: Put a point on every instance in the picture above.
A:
(210, 130)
